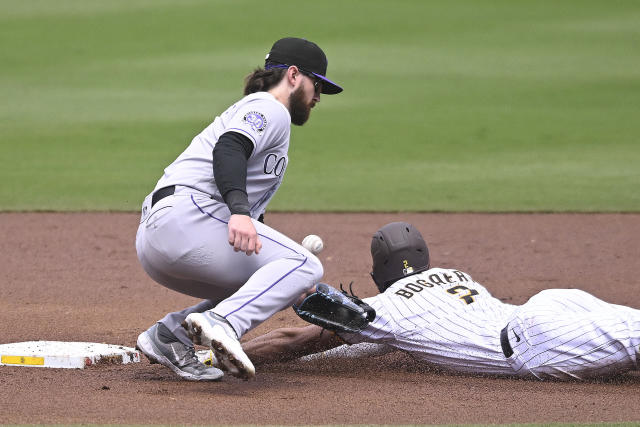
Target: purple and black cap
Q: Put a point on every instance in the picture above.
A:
(305, 55)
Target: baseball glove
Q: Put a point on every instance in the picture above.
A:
(335, 310)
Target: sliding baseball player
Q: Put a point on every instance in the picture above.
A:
(446, 319)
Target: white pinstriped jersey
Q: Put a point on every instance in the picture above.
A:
(444, 318)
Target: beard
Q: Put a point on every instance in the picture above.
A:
(298, 108)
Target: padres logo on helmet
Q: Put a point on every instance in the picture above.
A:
(398, 250)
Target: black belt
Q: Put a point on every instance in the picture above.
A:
(162, 193)
(504, 342)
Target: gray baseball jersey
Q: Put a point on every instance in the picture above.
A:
(267, 123)
(445, 318)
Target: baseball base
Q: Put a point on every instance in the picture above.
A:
(70, 355)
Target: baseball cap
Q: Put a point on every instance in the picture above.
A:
(303, 54)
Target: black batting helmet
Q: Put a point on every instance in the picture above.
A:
(398, 250)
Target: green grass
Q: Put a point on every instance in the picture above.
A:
(448, 106)
(625, 424)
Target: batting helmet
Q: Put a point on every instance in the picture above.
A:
(398, 250)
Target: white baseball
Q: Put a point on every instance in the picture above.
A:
(313, 244)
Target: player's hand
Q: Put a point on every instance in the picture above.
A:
(243, 235)
(304, 295)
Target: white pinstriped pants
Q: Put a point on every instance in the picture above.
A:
(570, 334)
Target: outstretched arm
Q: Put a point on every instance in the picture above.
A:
(285, 344)
(355, 351)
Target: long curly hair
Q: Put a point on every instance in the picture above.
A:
(261, 80)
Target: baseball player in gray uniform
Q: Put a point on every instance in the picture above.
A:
(201, 231)
(446, 319)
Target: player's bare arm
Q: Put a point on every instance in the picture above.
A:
(284, 344)
(229, 157)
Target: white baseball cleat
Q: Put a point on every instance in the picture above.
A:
(209, 358)
(214, 331)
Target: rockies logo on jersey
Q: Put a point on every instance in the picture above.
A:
(256, 120)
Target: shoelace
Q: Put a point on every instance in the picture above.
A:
(190, 357)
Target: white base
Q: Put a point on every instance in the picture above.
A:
(59, 354)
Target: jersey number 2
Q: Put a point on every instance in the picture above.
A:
(463, 293)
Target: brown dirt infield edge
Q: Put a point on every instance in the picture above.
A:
(75, 277)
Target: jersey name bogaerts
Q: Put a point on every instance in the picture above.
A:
(443, 317)
(262, 119)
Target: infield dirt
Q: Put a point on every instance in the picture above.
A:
(75, 277)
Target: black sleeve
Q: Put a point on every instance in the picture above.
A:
(230, 156)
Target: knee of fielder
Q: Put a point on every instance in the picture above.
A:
(308, 274)
(316, 271)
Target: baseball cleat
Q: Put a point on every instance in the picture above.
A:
(209, 358)
(161, 346)
(214, 331)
